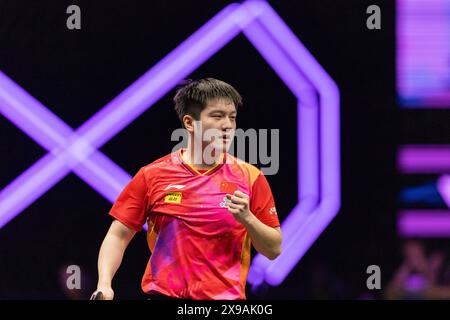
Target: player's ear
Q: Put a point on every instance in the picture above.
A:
(188, 122)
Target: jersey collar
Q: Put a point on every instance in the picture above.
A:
(194, 171)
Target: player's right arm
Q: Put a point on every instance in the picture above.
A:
(130, 213)
(110, 256)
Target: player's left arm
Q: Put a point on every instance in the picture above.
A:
(265, 239)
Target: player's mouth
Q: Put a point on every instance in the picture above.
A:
(226, 138)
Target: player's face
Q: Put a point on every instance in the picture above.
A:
(218, 121)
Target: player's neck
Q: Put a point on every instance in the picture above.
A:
(197, 161)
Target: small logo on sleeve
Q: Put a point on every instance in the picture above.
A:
(173, 197)
(273, 210)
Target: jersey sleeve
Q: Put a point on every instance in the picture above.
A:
(130, 208)
(262, 204)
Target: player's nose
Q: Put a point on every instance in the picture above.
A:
(227, 124)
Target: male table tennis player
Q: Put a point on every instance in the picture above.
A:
(202, 216)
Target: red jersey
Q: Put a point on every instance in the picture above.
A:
(199, 250)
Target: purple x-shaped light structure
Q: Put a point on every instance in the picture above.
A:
(77, 150)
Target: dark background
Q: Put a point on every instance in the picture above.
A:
(75, 73)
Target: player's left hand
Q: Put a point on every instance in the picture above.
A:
(239, 206)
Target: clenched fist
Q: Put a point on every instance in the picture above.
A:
(239, 206)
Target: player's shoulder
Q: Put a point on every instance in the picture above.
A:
(159, 164)
(249, 169)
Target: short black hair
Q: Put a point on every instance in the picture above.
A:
(192, 96)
